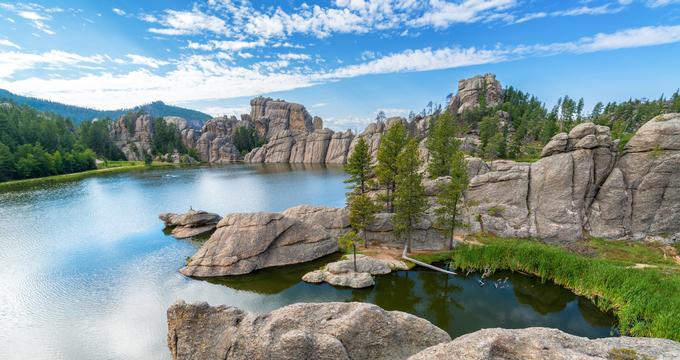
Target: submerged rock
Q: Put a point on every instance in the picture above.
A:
(191, 223)
(332, 331)
(544, 343)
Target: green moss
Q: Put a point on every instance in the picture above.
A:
(645, 301)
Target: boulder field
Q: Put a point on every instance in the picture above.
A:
(336, 331)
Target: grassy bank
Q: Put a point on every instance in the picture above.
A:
(646, 300)
(111, 168)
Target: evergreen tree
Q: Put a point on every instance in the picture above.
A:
(441, 144)
(597, 110)
(409, 197)
(349, 240)
(359, 166)
(361, 212)
(450, 196)
(391, 144)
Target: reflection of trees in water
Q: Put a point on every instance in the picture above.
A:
(544, 297)
(274, 280)
(440, 300)
(397, 291)
(593, 315)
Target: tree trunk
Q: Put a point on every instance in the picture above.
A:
(453, 223)
(363, 236)
(354, 251)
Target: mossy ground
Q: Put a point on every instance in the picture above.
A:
(646, 300)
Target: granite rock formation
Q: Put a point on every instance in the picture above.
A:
(342, 273)
(332, 331)
(191, 223)
(471, 90)
(544, 343)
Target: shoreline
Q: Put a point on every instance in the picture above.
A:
(55, 179)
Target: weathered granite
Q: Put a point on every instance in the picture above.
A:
(544, 343)
(191, 223)
(332, 331)
(469, 91)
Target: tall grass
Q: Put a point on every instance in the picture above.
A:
(646, 301)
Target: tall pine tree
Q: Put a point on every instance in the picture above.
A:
(361, 213)
(450, 196)
(409, 197)
(391, 145)
(359, 166)
(441, 144)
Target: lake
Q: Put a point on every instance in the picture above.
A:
(87, 272)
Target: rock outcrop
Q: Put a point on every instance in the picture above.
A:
(582, 186)
(342, 273)
(471, 90)
(545, 343)
(353, 330)
(215, 144)
(332, 331)
(191, 223)
(246, 242)
(132, 134)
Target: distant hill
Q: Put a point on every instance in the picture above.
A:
(79, 114)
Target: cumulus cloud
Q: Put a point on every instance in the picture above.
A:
(146, 61)
(12, 62)
(225, 45)
(174, 22)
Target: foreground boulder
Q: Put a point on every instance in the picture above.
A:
(191, 223)
(246, 242)
(545, 343)
(333, 331)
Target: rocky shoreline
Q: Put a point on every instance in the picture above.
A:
(365, 331)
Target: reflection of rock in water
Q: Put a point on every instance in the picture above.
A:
(545, 297)
(272, 280)
(593, 315)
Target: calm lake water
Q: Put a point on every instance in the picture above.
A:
(87, 272)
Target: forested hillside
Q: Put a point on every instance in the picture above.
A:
(79, 114)
(521, 125)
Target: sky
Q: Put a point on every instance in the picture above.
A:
(345, 60)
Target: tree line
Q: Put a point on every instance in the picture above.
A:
(397, 175)
(36, 144)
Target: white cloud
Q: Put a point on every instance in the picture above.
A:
(226, 45)
(227, 110)
(293, 56)
(146, 61)
(187, 23)
(660, 3)
(118, 11)
(14, 61)
(5, 42)
(443, 13)
(36, 14)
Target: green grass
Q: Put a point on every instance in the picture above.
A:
(433, 257)
(646, 301)
(20, 184)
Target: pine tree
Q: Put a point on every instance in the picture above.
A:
(361, 213)
(391, 145)
(359, 166)
(349, 240)
(409, 196)
(441, 145)
(450, 196)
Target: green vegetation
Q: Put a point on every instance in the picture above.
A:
(246, 139)
(96, 136)
(646, 300)
(117, 167)
(450, 195)
(350, 240)
(391, 145)
(359, 167)
(33, 144)
(166, 138)
(361, 212)
(409, 196)
(441, 144)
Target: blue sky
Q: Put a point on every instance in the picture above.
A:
(344, 59)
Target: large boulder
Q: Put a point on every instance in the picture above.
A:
(544, 343)
(335, 220)
(332, 331)
(246, 242)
